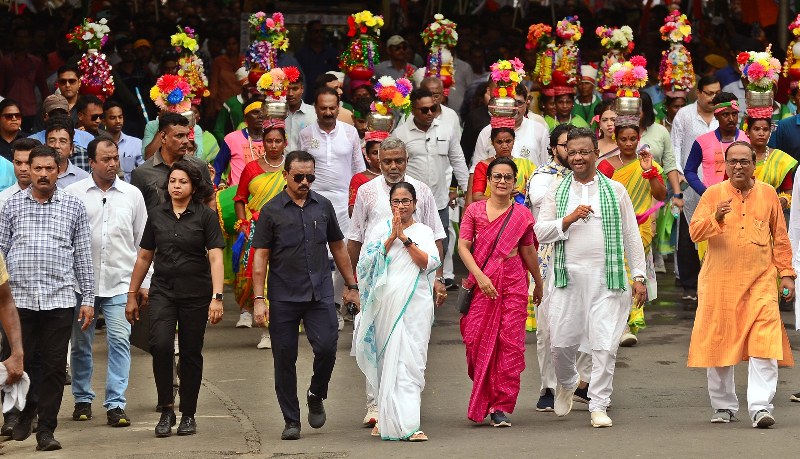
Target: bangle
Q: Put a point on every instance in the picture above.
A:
(130, 291)
(259, 297)
(239, 223)
(650, 174)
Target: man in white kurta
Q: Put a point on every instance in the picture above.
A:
(336, 148)
(530, 139)
(372, 208)
(585, 314)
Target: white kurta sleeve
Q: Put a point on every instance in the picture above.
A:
(427, 212)
(548, 227)
(358, 221)
(544, 142)
(632, 240)
(481, 147)
(537, 189)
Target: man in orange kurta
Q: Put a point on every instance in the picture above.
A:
(737, 314)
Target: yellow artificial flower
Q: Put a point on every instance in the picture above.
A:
(371, 22)
(154, 93)
(685, 30)
(504, 65)
(380, 108)
(514, 76)
(265, 81)
(502, 92)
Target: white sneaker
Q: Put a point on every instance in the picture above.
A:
(563, 403)
(245, 320)
(177, 349)
(266, 342)
(658, 263)
(600, 419)
(340, 319)
(372, 415)
(628, 340)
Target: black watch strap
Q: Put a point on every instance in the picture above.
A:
(678, 195)
(408, 242)
(353, 286)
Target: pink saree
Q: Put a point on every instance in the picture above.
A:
(494, 330)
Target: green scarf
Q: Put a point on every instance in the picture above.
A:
(612, 233)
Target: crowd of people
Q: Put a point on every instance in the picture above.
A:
(562, 211)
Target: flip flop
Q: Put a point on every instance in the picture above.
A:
(375, 432)
(418, 436)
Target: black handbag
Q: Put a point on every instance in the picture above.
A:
(465, 294)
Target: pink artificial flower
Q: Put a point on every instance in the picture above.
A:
(639, 61)
(260, 14)
(278, 17)
(517, 64)
(756, 71)
(270, 23)
(639, 73)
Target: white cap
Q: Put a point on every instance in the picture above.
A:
(339, 75)
(589, 73)
(241, 75)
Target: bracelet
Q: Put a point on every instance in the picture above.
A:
(259, 297)
(238, 225)
(130, 291)
(650, 174)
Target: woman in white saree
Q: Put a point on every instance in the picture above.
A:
(396, 275)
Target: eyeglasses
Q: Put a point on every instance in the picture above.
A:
(584, 153)
(741, 162)
(432, 109)
(498, 177)
(298, 178)
(401, 202)
(67, 80)
(710, 93)
(519, 103)
(562, 145)
(12, 116)
(96, 116)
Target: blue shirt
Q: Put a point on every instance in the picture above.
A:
(130, 154)
(7, 177)
(787, 136)
(79, 156)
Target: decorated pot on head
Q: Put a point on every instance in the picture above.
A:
(172, 93)
(390, 96)
(760, 72)
(628, 76)
(358, 60)
(95, 70)
(440, 37)
(676, 73)
(505, 75)
(270, 36)
(274, 84)
(618, 43)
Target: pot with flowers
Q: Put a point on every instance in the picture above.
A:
(172, 93)
(629, 76)
(506, 76)
(269, 36)
(618, 42)
(190, 66)
(542, 41)
(274, 84)
(760, 71)
(567, 59)
(390, 95)
(676, 73)
(95, 70)
(440, 36)
(791, 68)
(360, 57)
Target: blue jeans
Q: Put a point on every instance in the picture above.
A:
(118, 332)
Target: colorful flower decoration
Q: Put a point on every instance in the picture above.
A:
(96, 75)
(676, 28)
(760, 69)
(612, 38)
(275, 82)
(507, 75)
(90, 34)
(185, 41)
(364, 23)
(540, 36)
(190, 66)
(260, 55)
(542, 40)
(569, 28)
(270, 29)
(441, 32)
(791, 67)
(629, 76)
(172, 93)
(391, 94)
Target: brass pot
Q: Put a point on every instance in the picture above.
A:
(378, 122)
(189, 115)
(758, 99)
(503, 106)
(274, 109)
(627, 105)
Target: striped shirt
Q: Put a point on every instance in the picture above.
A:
(47, 246)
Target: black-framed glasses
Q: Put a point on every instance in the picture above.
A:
(298, 178)
(741, 162)
(401, 202)
(497, 177)
(562, 145)
(432, 109)
(584, 153)
(96, 117)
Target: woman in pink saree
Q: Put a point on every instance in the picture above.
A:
(494, 328)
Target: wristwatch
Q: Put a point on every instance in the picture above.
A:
(678, 195)
(407, 242)
(440, 279)
(353, 286)
(217, 296)
(641, 279)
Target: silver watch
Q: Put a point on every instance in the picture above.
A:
(641, 279)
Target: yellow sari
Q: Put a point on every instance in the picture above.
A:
(774, 169)
(630, 175)
(525, 170)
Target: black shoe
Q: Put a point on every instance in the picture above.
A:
(82, 411)
(46, 442)
(581, 395)
(22, 430)
(117, 417)
(187, 426)
(291, 431)
(450, 284)
(68, 379)
(546, 401)
(164, 426)
(9, 421)
(35, 423)
(499, 419)
(795, 397)
(316, 411)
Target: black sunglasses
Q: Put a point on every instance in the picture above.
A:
(96, 116)
(298, 178)
(432, 109)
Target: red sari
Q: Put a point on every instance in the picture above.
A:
(494, 330)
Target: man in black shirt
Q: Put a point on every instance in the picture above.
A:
(292, 235)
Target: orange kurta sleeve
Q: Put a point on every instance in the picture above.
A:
(704, 225)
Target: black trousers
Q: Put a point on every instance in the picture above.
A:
(45, 336)
(321, 326)
(190, 316)
(688, 260)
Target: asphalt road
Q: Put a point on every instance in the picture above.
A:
(660, 407)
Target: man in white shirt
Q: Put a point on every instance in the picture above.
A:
(336, 148)
(300, 115)
(433, 147)
(372, 208)
(20, 149)
(530, 141)
(130, 148)
(117, 215)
